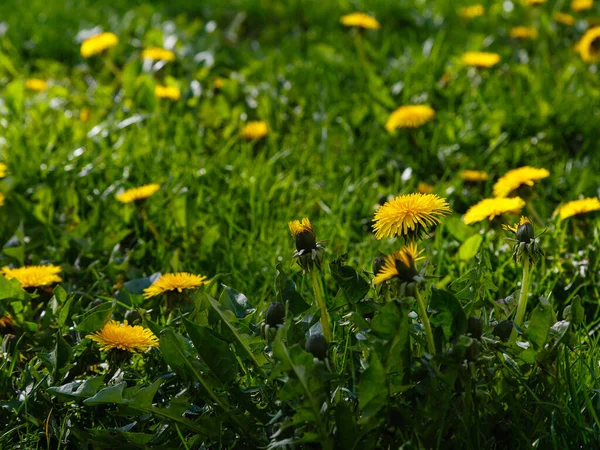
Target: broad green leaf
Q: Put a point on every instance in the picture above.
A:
(11, 290)
(235, 302)
(111, 394)
(373, 393)
(447, 313)
(61, 355)
(285, 290)
(457, 228)
(78, 389)
(95, 319)
(542, 318)
(354, 286)
(469, 248)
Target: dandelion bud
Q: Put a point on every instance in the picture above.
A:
(525, 232)
(306, 240)
(275, 314)
(317, 345)
(475, 327)
(378, 264)
(309, 252)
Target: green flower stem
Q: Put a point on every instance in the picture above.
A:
(321, 303)
(522, 299)
(425, 319)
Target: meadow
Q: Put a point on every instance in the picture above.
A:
(298, 224)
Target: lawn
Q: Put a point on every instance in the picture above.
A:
(375, 223)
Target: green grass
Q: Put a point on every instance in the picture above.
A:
(224, 204)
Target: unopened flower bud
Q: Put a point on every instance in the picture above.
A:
(317, 345)
(525, 232)
(306, 240)
(275, 314)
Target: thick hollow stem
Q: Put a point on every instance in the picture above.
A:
(321, 302)
(425, 320)
(522, 306)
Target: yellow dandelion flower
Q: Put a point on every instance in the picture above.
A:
(360, 20)
(513, 179)
(582, 5)
(411, 116)
(97, 44)
(138, 193)
(218, 83)
(255, 130)
(2, 199)
(400, 264)
(6, 322)
(123, 336)
(84, 115)
(425, 188)
(523, 33)
(565, 19)
(575, 207)
(589, 45)
(3, 170)
(471, 12)
(35, 84)
(480, 59)
(34, 276)
(491, 207)
(170, 282)
(524, 220)
(169, 92)
(409, 215)
(297, 226)
(473, 176)
(158, 54)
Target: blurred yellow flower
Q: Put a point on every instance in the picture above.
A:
(565, 19)
(218, 83)
(2, 199)
(480, 59)
(97, 44)
(158, 54)
(255, 130)
(138, 193)
(425, 188)
(84, 115)
(575, 207)
(409, 215)
(6, 322)
(35, 84)
(3, 169)
(400, 264)
(523, 33)
(170, 92)
(34, 276)
(123, 336)
(171, 282)
(582, 5)
(470, 12)
(411, 116)
(589, 45)
(491, 207)
(512, 179)
(360, 20)
(473, 176)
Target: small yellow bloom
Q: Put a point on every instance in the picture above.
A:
(480, 59)
(125, 337)
(575, 207)
(6, 322)
(171, 282)
(170, 92)
(589, 46)
(523, 33)
(360, 20)
(218, 83)
(471, 12)
(2, 199)
(513, 179)
(84, 115)
(297, 226)
(491, 207)
(400, 264)
(97, 44)
(425, 188)
(158, 54)
(255, 130)
(3, 169)
(138, 193)
(35, 84)
(582, 5)
(34, 276)
(411, 116)
(565, 19)
(409, 215)
(473, 176)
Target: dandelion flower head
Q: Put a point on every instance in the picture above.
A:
(492, 207)
(138, 193)
(34, 276)
(411, 116)
(480, 59)
(360, 20)
(255, 130)
(97, 44)
(123, 336)
(401, 262)
(513, 179)
(172, 282)
(575, 207)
